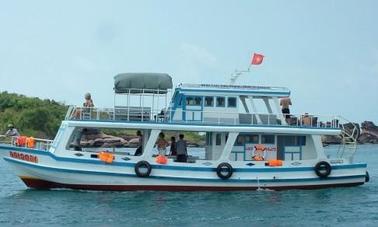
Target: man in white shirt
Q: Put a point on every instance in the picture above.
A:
(12, 131)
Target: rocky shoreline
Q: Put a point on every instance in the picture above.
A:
(368, 134)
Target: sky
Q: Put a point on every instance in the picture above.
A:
(325, 52)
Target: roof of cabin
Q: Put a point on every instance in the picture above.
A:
(234, 89)
(142, 83)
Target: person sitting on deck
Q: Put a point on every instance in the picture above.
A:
(88, 101)
(12, 131)
(161, 116)
(85, 111)
(306, 119)
(182, 151)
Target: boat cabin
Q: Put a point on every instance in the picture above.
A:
(227, 104)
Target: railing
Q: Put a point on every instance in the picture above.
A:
(40, 144)
(146, 114)
(349, 135)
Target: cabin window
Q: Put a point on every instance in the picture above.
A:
(218, 139)
(251, 139)
(123, 141)
(295, 141)
(221, 102)
(193, 101)
(209, 101)
(267, 139)
(245, 138)
(240, 140)
(231, 102)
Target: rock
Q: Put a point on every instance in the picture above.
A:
(369, 133)
(134, 141)
(95, 138)
(331, 139)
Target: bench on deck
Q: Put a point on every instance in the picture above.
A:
(132, 113)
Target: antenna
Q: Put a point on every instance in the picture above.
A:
(236, 74)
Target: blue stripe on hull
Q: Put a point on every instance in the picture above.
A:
(183, 168)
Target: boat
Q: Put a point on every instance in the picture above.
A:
(249, 144)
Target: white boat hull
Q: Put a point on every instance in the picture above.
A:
(76, 173)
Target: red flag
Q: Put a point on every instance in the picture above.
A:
(257, 59)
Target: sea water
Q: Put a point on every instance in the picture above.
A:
(350, 206)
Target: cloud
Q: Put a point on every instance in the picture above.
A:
(197, 54)
(84, 63)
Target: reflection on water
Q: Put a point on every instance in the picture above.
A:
(355, 206)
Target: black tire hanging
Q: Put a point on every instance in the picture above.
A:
(224, 171)
(142, 169)
(367, 177)
(323, 169)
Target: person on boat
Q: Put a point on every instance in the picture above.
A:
(139, 150)
(88, 101)
(161, 144)
(82, 112)
(182, 151)
(285, 103)
(173, 150)
(12, 131)
(306, 119)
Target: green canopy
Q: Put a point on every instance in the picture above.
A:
(142, 83)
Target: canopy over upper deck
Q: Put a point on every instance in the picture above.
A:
(142, 83)
(234, 90)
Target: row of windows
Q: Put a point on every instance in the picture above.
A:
(209, 101)
(242, 139)
(265, 139)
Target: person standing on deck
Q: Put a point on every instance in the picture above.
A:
(182, 151)
(173, 150)
(285, 103)
(161, 144)
(139, 150)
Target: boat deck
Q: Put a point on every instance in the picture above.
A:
(146, 115)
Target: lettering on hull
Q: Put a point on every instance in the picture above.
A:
(24, 157)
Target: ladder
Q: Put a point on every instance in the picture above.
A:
(349, 135)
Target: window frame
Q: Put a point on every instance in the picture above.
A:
(224, 101)
(268, 135)
(212, 101)
(228, 102)
(188, 98)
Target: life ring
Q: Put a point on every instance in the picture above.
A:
(142, 169)
(323, 169)
(259, 152)
(224, 171)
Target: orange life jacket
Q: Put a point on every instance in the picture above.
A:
(106, 157)
(161, 159)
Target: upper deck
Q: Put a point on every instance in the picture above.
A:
(146, 115)
(145, 99)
